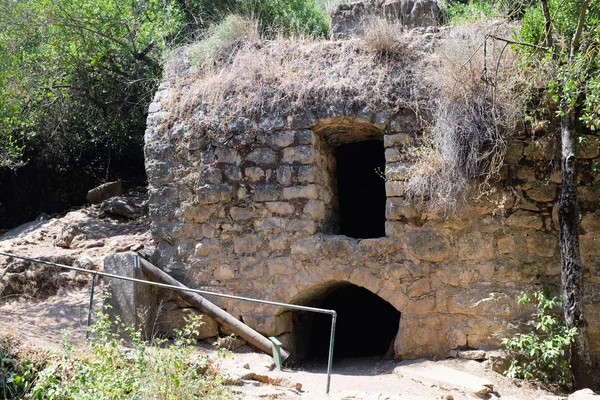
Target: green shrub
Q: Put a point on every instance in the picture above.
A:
(17, 374)
(543, 353)
(167, 370)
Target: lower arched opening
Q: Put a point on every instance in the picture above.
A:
(366, 324)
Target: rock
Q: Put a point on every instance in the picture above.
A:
(498, 361)
(176, 319)
(262, 156)
(105, 191)
(477, 355)
(66, 236)
(444, 377)
(525, 219)
(306, 192)
(428, 245)
(584, 394)
(123, 207)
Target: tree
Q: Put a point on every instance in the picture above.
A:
(569, 31)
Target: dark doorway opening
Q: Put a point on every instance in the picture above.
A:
(361, 189)
(366, 325)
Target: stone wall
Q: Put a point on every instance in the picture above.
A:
(255, 215)
(347, 19)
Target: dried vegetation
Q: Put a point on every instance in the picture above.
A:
(459, 80)
(471, 80)
(258, 79)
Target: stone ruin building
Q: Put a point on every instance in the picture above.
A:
(306, 205)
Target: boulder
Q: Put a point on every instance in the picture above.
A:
(103, 192)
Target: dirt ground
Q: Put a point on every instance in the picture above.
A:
(39, 321)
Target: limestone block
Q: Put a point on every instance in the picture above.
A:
(590, 222)
(281, 139)
(482, 301)
(425, 305)
(506, 244)
(428, 245)
(526, 174)
(588, 196)
(284, 175)
(281, 265)
(338, 247)
(266, 193)
(399, 139)
(214, 193)
(241, 213)
(542, 244)
(421, 336)
(306, 192)
(391, 293)
(315, 209)
(224, 272)
(228, 155)
(298, 154)
(246, 244)
(305, 136)
(397, 208)
(210, 174)
(367, 278)
(394, 189)
(206, 247)
(473, 246)
(232, 172)
(307, 174)
(392, 155)
(262, 156)
(302, 120)
(268, 325)
(280, 207)
(254, 174)
(418, 288)
(270, 124)
(542, 193)
(525, 219)
(301, 225)
(134, 303)
(273, 223)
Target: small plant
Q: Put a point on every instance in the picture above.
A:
(17, 374)
(161, 369)
(542, 353)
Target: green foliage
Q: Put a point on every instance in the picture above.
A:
(16, 376)
(137, 371)
(575, 85)
(542, 353)
(460, 11)
(77, 75)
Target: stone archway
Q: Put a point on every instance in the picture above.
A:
(367, 324)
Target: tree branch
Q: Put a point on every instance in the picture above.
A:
(535, 46)
(579, 30)
(547, 24)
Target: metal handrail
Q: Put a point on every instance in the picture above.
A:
(333, 313)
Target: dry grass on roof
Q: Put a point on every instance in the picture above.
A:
(256, 79)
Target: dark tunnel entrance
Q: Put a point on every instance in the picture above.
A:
(366, 324)
(361, 188)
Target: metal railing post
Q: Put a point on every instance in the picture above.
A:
(330, 359)
(89, 318)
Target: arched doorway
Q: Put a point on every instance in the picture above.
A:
(366, 324)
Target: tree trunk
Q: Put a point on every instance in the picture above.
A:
(571, 268)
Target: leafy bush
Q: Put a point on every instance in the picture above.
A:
(543, 353)
(17, 374)
(137, 371)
